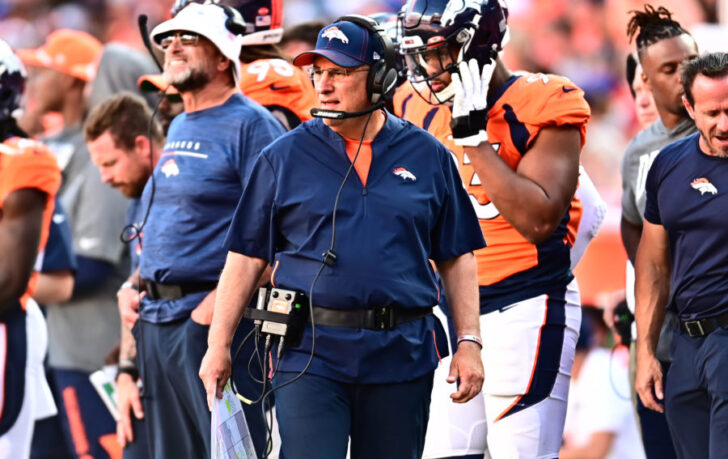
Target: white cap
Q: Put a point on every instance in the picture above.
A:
(207, 20)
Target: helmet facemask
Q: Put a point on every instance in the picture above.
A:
(467, 29)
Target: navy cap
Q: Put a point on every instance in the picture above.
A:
(345, 44)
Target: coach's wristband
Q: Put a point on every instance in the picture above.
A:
(472, 338)
(127, 284)
(131, 371)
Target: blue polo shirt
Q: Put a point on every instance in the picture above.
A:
(199, 179)
(413, 209)
(686, 194)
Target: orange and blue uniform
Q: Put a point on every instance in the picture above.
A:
(24, 164)
(29, 164)
(524, 105)
(279, 86)
(529, 303)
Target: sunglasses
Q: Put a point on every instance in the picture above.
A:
(185, 38)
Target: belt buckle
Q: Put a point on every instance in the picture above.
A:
(694, 328)
(384, 318)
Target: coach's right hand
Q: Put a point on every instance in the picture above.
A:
(129, 299)
(215, 371)
(648, 381)
(127, 393)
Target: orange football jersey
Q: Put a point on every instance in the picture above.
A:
(28, 164)
(278, 83)
(524, 105)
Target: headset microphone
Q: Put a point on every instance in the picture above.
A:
(339, 115)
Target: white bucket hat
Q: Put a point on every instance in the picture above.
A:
(207, 20)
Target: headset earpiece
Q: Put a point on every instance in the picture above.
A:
(382, 79)
(234, 22)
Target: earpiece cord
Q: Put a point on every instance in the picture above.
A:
(132, 231)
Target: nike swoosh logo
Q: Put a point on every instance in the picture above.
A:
(568, 89)
(273, 87)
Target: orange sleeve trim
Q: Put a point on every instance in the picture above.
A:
(434, 340)
(273, 274)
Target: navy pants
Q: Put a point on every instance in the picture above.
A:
(175, 403)
(696, 395)
(316, 416)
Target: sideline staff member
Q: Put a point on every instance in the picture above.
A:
(403, 206)
(682, 259)
(197, 182)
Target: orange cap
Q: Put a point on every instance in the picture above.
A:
(155, 82)
(67, 51)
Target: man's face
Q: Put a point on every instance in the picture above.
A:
(124, 170)
(46, 88)
(644, 103)
(434, 62)
(710, 112)
(345, 93)
(660, 64)
(188, 67)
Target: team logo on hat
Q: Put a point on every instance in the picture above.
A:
(704, 186)
(334, 33)
(404, 174)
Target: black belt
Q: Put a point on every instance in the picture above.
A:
(380, 318)
(703, 327)
(171, 292)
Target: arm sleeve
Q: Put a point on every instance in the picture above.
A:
(652, 209)
(254, 137)
(59, 255)
(252, 230)
(31, 169)
(456, 230)
(630, 212)
(90, 274)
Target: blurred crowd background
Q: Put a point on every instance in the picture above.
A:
(584, 40)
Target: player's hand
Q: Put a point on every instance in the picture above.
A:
(470, 103)
(648, 381)
(127, 393)
(215, 371)
(467, 366)
(128, 300)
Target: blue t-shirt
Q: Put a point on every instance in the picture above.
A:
(686, 191)
(413, 209)
(58, 254)
(199, 179)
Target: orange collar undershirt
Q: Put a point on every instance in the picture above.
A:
(364, 161)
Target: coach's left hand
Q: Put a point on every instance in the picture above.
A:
(467, 366)
(215, 371)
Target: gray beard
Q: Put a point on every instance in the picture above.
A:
(190, 80)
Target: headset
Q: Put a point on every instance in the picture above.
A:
(382, 78)
(234, 22)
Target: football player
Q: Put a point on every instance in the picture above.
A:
(517, 139)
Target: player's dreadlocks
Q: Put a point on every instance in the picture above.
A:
(652, 25)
